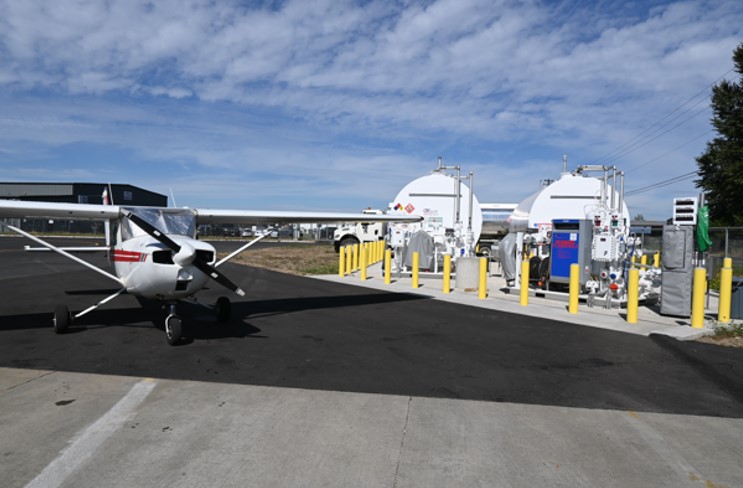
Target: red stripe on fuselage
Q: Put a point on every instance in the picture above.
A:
(129, 256)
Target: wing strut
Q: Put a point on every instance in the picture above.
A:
(64, 253)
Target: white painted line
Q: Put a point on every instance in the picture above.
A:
(89, 439)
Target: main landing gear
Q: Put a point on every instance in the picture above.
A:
(222, 309)
(62, 319)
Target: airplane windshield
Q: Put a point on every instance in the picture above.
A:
(166, 220)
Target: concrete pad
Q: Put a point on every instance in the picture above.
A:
(684, 333)
(502, 299)
(463, 443)
(189, 433)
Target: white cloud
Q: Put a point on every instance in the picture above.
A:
(358, 79)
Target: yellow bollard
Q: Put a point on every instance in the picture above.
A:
(524, 283)
(416, 267)
(656, 259)
(349, 260)
(483, 289)
(380, 252)
(342, 262)
(644, 259)
(726, 291)
(447, 274)
(388, 267)
(362, 262)
(574, 288)
(633, 259)
(355, 264)
(633, 295)
(697, 298)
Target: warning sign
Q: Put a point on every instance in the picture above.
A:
(409, 208)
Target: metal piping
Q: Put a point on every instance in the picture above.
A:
(613, 188)
(621, 193)
(472, 196)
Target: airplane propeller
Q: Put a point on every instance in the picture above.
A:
(184, 255)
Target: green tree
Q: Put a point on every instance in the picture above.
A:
(721, 165)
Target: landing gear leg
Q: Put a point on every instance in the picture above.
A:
(173, 327)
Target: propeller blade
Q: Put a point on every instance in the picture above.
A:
(153, 231)
(217, 276)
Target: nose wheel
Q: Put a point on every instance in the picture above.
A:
(173, 327)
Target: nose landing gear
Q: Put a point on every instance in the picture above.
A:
(173, 327)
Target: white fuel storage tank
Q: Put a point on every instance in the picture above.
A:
(444, 203)
(573, 196)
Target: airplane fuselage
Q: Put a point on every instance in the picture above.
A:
(151, 270)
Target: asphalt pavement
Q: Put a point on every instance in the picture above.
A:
(328, 384)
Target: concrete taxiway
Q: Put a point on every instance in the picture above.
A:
(316, 383)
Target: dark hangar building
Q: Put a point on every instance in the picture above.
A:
(120, 194)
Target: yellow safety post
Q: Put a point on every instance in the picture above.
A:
(633, 295)
(697, 298)
(524, 283)
(574, 287)
(634, 259)
(726, 291)
(380, 250)
(362, 262)
(342, 262)
(349, 259)
(416, 266)
(388, 267)
(644, 259)
(656, 259)
(483, 288)
(355, 264)
(447, 274)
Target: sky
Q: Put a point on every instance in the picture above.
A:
(337, 105)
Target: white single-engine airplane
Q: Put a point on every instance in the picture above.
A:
(157, 254)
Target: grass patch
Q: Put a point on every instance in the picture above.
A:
(731, 330)
(299, 259)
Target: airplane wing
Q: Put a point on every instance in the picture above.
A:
(83, 211)
(219, 216)
(73, 211)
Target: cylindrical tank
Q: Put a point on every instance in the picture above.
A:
(570, 197)
(495, 218)
(434, 197)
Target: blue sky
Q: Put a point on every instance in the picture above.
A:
(336, 105)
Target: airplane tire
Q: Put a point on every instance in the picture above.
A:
(62, 319)
(223, 309)
(173, 330)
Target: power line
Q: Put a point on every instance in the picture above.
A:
(648, 141)
(638, 166)
(660, 184)
(660, 123)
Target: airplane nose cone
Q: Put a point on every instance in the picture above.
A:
(185, 256)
